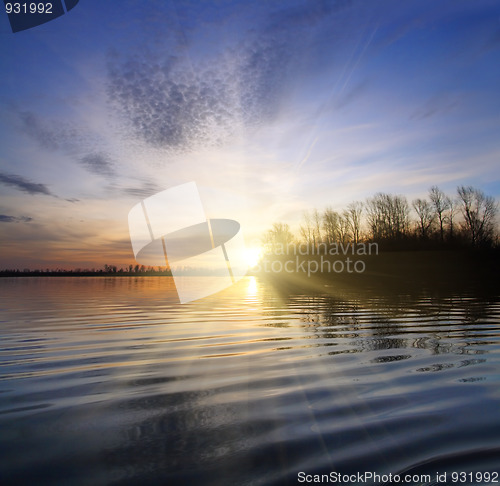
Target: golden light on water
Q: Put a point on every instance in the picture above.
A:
(252, 287)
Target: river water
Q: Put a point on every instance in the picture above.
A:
(111, 381)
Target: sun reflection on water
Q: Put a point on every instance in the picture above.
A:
(252, 288)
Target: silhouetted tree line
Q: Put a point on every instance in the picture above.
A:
(107, 270)
(466, 220)
(441, 221)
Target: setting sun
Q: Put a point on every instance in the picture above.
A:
(252, 256)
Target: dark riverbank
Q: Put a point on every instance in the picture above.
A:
(391, 271)
(408, 266)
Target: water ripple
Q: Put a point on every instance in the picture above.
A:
(110, 381)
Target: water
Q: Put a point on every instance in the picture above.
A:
(110, 381)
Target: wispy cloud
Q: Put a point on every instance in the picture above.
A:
(68, 137)
(351, 95)
(145, 190)
(169, 105)
(98, 163)
(39, 131)
(437, 104)
(14, 219)
(185, 103)
(24, 185)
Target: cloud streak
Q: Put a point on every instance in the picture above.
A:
(98, 163)
(14, 219)
(24, 184)
(71, 139)
(437, 105)
(145, 190)
(40, 132)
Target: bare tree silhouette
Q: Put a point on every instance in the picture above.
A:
(425, 215)
(388, 216)
(479, 212)
(441, 204)
(353, 215)
(279, 236)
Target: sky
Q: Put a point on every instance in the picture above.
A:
(272, 108)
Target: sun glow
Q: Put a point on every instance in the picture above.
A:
(252, 256)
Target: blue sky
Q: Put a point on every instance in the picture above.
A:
(272, 108)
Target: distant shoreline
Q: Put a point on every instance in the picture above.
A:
(70, 273)
(409, 263)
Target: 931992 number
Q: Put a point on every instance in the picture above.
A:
(477, 477)
(17, 8)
